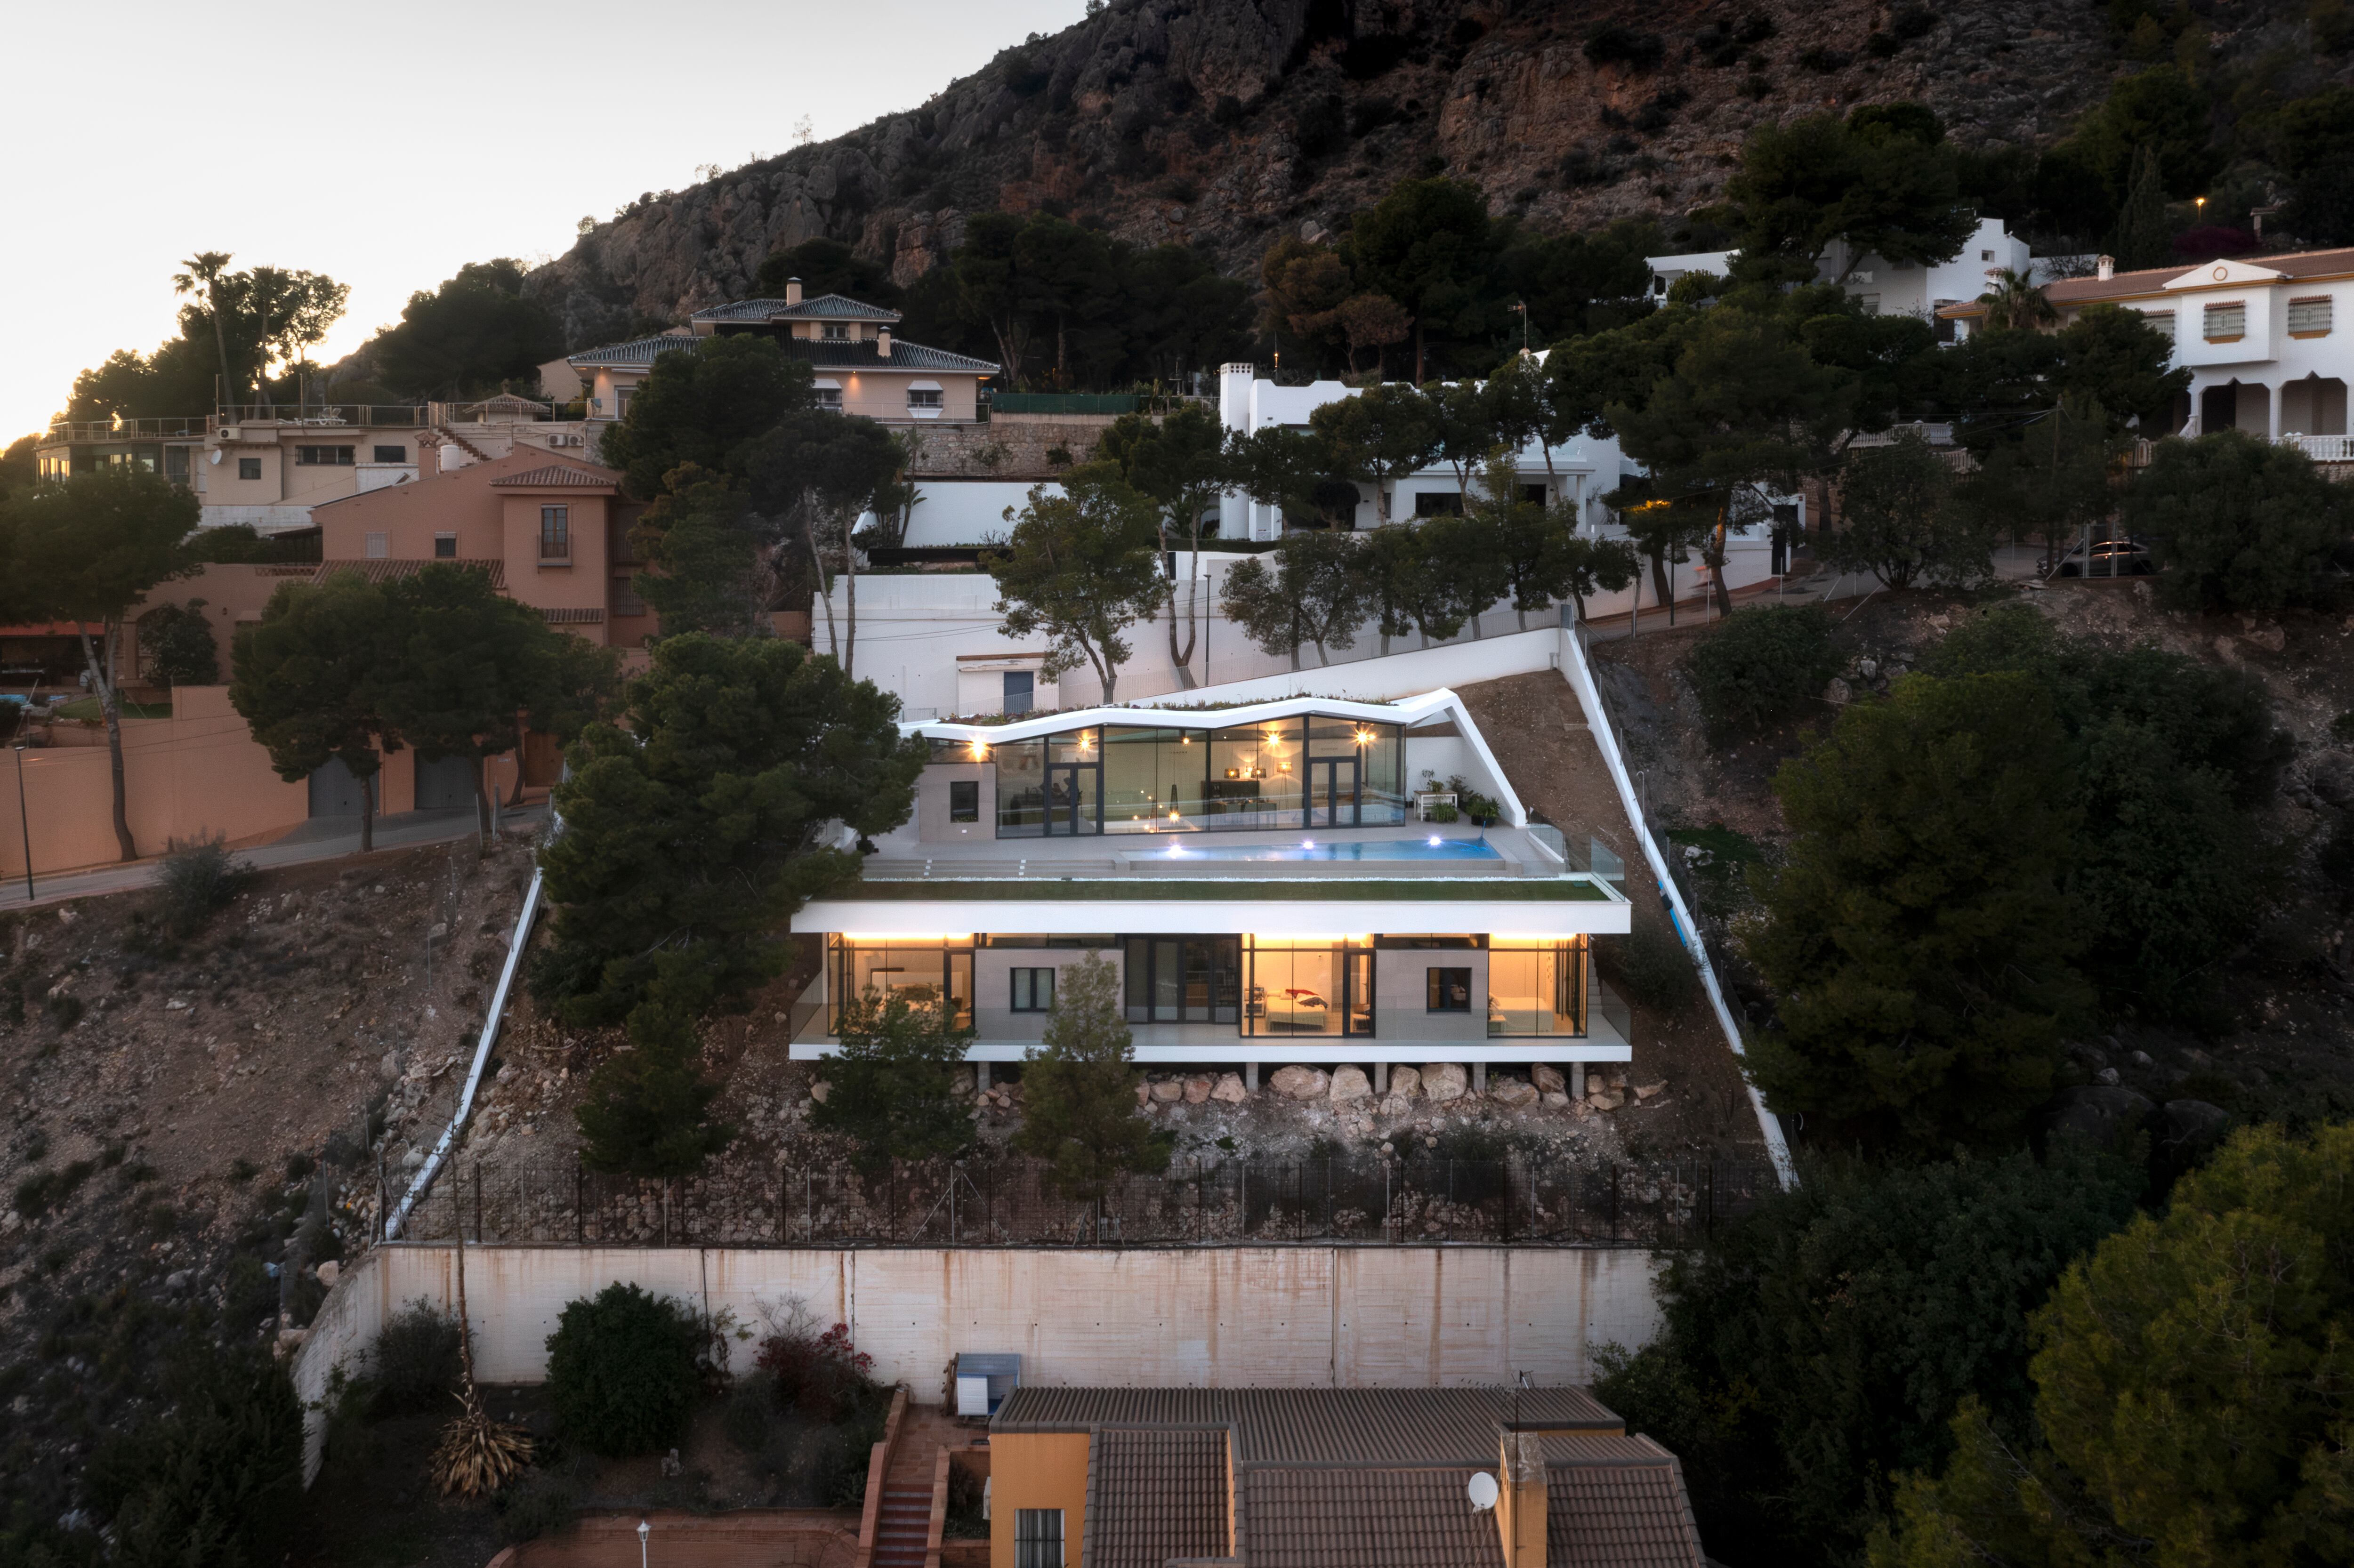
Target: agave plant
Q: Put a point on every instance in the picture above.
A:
(476, 1454)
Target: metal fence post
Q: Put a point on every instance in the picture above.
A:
(579, 1193)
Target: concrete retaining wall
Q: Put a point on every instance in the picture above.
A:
(1267, 1317)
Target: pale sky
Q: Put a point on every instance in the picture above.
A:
(387, 146)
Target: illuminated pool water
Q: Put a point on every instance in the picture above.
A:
(1355, 849)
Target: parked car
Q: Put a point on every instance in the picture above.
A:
(2110, 558)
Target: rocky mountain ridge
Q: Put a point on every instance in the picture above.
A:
(1225, 123)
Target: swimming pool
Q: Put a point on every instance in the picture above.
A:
(1317, 849)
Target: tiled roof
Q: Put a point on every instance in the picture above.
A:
(380, 571)
(829, 307)
(1154, 1493)
(2153, 279)
(637, 351)
(556, 476)
(865, 354)
(588, 615)
(1627, 1511)
(1325, 1426)
(1365, 1519)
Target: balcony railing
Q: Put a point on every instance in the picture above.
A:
(2323, 449)
(325, 414)
(82, 431)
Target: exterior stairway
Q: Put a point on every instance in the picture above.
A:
(903, 1528)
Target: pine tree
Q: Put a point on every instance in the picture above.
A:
(645, 1113)
(2141, 237)
(1079, 1090)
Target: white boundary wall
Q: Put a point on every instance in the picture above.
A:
(1288, 1316)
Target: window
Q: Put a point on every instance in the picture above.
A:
(1448, 991)
(2227, 323)
(1868, 303)
(1534, 495)
(2309, 317)
(834, 332)
(1037, 1537)
(1309, 988)
(1183, 979)
(924, 397)
(621, 396)
(1034, 990)
(1536, 987)
(555, 533)
(2160, 323)
(964, 800)
(248, 468)
(1433, 503)
(829, 396)
(625, 596)
(379, 546)
(1021, 690)
(392, 454)
(323, 456)
(926, 973)
(1986, 255)
(445, 546)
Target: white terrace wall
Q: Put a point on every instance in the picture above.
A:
(1288, 1316)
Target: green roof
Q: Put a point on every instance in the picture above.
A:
(1156, 890)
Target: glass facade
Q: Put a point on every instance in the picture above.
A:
(924, 972)
(1183, 979)
(1309, 988)
(1315, 772)
(1536, 988)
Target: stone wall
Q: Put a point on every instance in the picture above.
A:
(1010, 448)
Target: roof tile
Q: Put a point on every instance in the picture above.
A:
(1365, 1519)
(837, 307)
(556, 476)
(1155, 1493)
(1619, 1515)
(383, 571)
(1322, 1426)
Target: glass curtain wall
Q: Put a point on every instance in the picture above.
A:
(924, 972)
(1536, 988)
(1309, 988)
(1183, 979)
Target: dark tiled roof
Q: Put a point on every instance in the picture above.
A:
(556, 476)
(1154, 1493)
(832, 307)
(1628, 1511)
(1321, 1425)
(866, 355)
(637, 351)
(380, 571)
(2153, 279)
(1365, 1519)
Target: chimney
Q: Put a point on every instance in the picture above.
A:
(883, 343)
(792, 290)
(2105, 267)
(1521, 1501)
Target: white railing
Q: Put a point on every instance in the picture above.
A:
(2322, 449)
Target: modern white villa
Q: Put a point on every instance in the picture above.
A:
(1270, 879)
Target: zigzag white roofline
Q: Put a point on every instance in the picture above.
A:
(1406, 711)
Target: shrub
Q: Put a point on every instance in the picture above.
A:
(178, 645)
(2237, 523)
(823, 1376)
(1652, 967)
(216, 1476)
(197, 878)
(415, 1362)
(543, 1502)
(622, 1370)
(1760, 666)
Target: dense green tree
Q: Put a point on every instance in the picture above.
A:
(213, 1477)
(1816, 1349)
(892, 1086)
(20, 465)
(2161, 109)
(2312, 141)
(816, 473)
(1881, 185)
(1079, 1111)
(1178, 313)
(2190, 1388)
(467, 670)
(310, 679)
(826, 266)
(995, 289)
(1315, 594)
(1580, 281)
(1079, 568)
(1900, 520)
(474, 333)
(1393, 568)
(705, 545)
(1529, 541)
(1379, 437)
(695, 827)
(2143, 237)
(708, 403)
(2049, 476)
(2237, 523)
(1595, 566)
(1917, 939)
(86, 549)
(1763, 665)
(1429, 246)
(623, 1371)
(176, 645)
(1179, 460)
(1278, 466)
(1071, 284)
(646, 1111)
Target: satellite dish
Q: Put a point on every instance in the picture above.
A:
(1482, 1488)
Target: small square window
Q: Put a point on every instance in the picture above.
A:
(445, 546)
(1038, 1538)
(2227, 323)
(1448, 991)
(964, 800)
(836, 331)
(1021, 691)
(248, 468)
(379, 546)
(830, 397)
(924, 397)
(2310, 317)
(1034, 990)
(392, 454)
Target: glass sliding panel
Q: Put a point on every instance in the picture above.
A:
(1296, 990)
(1255, 776)
(1152, 779)
(1021, 789)
(1138, 980)
(1359, 1012)
(1168, 979)
(1379, 759)
(1536, 988)
(925, 974)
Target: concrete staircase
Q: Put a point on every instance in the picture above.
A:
(903, 1528)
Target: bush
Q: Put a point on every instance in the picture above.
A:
(1651, 967)
(2236, 523)
(216, 1476)
(197, 878)
(415, 1362)
(1761, 666)
(543, 1502)
(178, 645)
(622, 1370)
(823, 1376)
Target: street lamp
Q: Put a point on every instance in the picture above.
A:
(644, 1530)
(23, 821)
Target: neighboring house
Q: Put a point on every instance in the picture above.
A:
(1329, 1478)
(268, 466)
(553, 532)
(1884, 287)
(860, 368)
(1262, 876)
(2262, 336)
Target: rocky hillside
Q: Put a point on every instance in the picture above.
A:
(1223, 123)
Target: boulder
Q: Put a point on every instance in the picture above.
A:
(2272, 638)
(1445, 1081)
(1230, 1090)
(179, 1279)
(2332, 776)
(329, 1272)
(1838, 692)
(1299, 1082)
(1644, 1091)
(1605, 1099)
(1511, 1093)
(1169, 1091)
(1397, 1105)
(1548, 1080)
(820, 1089)
(962, 1081)
(1198, 1089)
(2101, 1115)
(2187, 1127)
(412, 1159)
(1554, 1099)
(1351, 1084)
(1143, 1093)
(1404, 1082)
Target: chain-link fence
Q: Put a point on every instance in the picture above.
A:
(1014, 1203)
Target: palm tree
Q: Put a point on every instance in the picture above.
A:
(205, 270)
(2016, 302)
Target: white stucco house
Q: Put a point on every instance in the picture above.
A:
(1884, 287)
